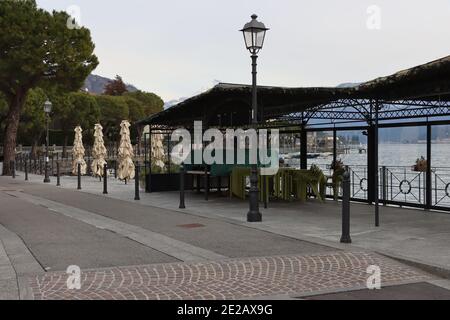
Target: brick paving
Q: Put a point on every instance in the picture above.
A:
(228, 279)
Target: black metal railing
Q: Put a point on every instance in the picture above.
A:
(399, 185)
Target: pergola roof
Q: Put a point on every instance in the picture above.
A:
(230, 104)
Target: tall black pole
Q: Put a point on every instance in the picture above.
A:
(254, 215)
(345, 238)
(303, 148)
(58, 175)
(334, 146)
(105, 179)
(376, 169)
(182, 186)
(79, 176)
(149, 175)
(428, 179)
(26, 170)
(46, 178)
(12, 165)
(136, 182)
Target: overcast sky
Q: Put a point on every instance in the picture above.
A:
(177, 48)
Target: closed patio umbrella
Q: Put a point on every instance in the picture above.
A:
(78, 152)
(98, 152)
(158, 154)
(126, 166)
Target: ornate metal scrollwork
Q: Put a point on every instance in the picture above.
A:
(363, 185)
(408, 188)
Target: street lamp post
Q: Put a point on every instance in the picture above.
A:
(254, 34)
(47, 110)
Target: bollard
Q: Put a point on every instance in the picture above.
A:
(182, 177)
(79, 176)
(346, 208)
(40, 166)
(115, 169)
(26, 170)
(206, 182)
(136, 182)
(12, 166)
(105, 178)
(58, 175)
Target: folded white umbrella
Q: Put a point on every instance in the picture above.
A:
(78, 152)
(98, 152)
(125, 170)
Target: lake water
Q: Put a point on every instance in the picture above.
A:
(390, 155)
(402, 184)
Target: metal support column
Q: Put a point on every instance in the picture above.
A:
(429, 196)
(303, 148)
(375, 159)
(334, 146)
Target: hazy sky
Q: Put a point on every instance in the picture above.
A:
(177, 48)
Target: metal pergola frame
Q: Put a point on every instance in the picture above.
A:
(419, 96)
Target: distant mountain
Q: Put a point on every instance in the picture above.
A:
(96, 84)
(171, 103)
(348, 85)
(174, 102)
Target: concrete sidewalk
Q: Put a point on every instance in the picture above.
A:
(45, 228)
(417, 236)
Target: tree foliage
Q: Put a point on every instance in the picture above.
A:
(151, 102)
(33, 118)
(115, 87)
(113, 110)
(37, 49)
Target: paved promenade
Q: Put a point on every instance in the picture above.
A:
(279, 276)
(410, 234)
(149, 249)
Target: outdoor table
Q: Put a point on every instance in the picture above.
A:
(238, 183)
(288, 184)
(198, 174)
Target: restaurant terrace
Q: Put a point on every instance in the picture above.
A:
(416, 97)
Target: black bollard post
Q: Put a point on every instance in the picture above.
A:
(26, 170)
(12, 165)
(79, 176)
(206, 182)
(105, 179)
(182, 177)
(137, 197)
(346, 208)
(115, 169)
(58, 175)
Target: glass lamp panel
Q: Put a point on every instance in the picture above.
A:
(260, 35)
(248, 37)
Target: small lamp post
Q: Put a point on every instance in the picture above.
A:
(47, 109)
(254, 35)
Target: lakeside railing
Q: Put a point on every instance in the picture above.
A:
(399, 185)
(36, 164)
